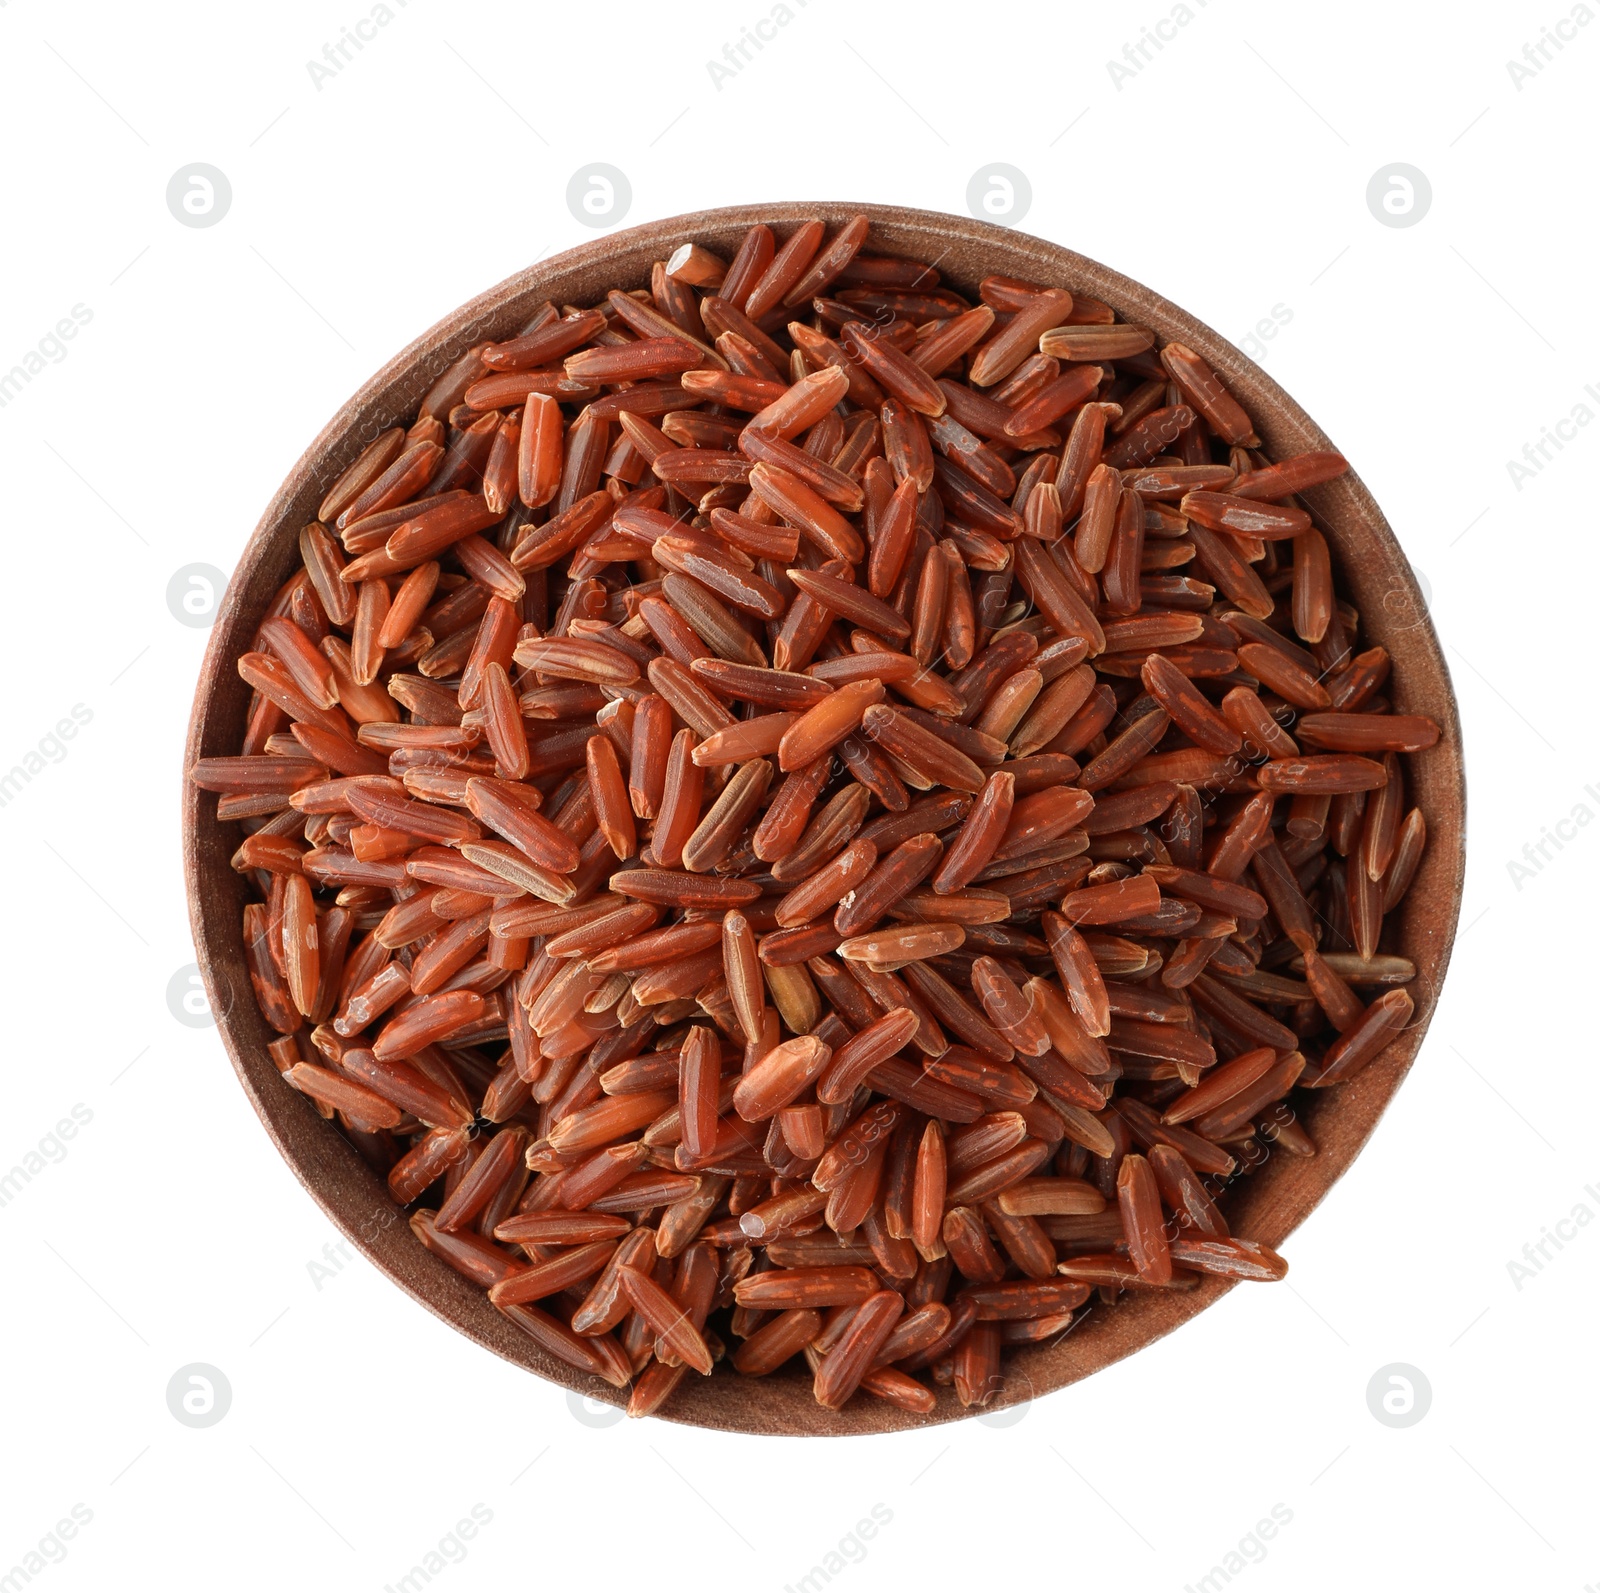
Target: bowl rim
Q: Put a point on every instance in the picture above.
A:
(1277, 1198)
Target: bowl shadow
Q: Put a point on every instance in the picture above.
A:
(1268, 1204)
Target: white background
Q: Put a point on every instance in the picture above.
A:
(1230, 173)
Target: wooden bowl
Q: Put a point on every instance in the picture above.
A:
(1269, 1205)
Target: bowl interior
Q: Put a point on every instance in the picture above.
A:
(1268, 1205)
